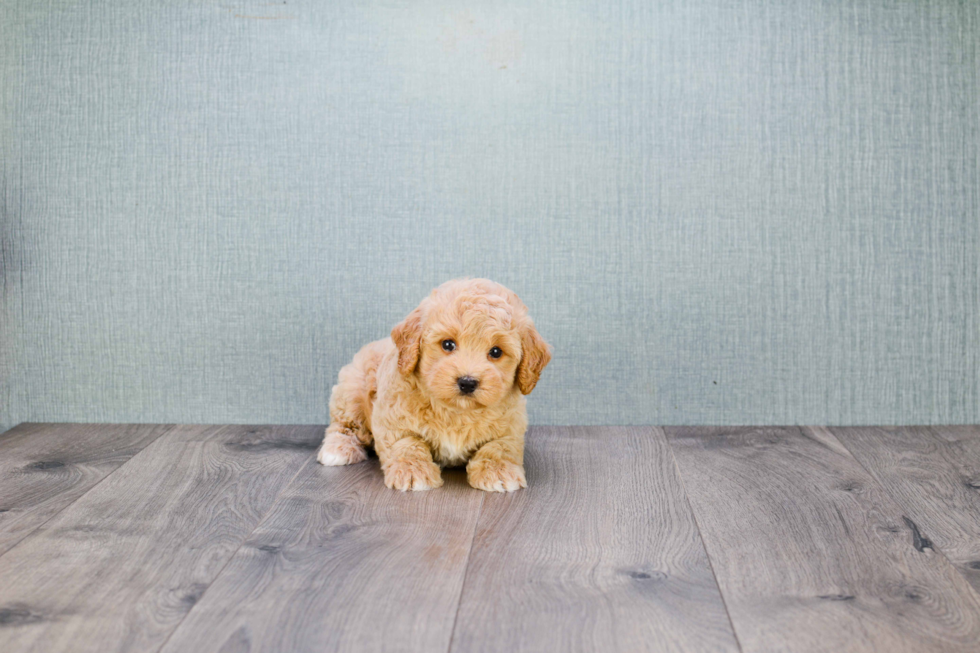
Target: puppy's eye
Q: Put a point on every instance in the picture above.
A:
(449, 345)
(496, 352)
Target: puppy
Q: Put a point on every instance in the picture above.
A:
(446, 388)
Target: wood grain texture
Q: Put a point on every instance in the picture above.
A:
(120, 568)
(599, 553)
(934, 474)
(45, 467)
(342, 563)
(811, 554)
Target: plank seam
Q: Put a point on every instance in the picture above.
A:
(704, 545)
(97, 484)
(261, 521)
(466, 572)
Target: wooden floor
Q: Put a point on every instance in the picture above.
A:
(232, 538)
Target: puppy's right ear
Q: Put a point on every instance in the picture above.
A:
(407, 335)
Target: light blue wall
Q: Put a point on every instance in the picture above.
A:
(718, 211)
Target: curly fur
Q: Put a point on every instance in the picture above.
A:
(400, 394)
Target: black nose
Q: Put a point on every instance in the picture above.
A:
(467, 384)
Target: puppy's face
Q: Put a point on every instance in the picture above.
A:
(469, 357)
(471, 343)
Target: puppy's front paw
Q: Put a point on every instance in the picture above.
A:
(495, 475)
(408, 474)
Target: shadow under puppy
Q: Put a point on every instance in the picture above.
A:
(446, 388)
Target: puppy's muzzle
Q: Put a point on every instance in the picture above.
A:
(467, 384)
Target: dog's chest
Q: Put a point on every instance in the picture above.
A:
(454, 444)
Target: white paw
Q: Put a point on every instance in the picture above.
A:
(337, 451)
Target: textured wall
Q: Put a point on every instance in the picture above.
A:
(719, 212)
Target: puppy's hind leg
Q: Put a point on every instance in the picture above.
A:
(341, 446)
(343, 443)
(351, 403)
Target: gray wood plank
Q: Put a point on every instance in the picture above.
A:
(342, 563)
(599, 553)
(811, 554)
(119, 568)
(934, 474)
(45, 467)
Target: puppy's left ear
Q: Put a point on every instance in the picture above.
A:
(407, 335)
(536, 353)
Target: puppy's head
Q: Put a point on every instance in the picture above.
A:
(471, 343)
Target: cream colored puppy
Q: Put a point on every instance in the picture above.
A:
(445, 389)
